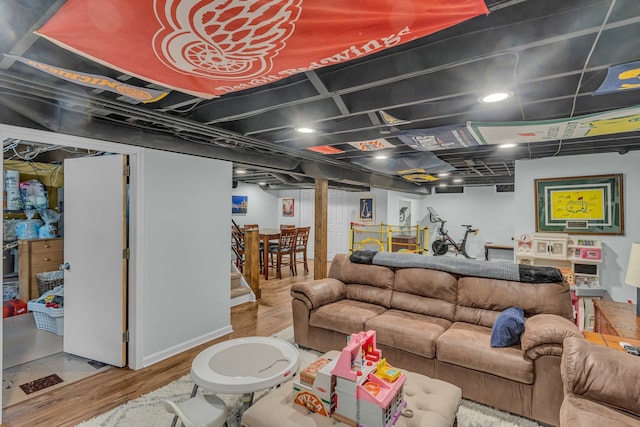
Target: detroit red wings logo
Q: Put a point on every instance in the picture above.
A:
(223, 39)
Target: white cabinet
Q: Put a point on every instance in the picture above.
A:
(550, 245)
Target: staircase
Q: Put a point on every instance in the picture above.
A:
(240, 290)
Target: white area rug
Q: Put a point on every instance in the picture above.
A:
(148, 410)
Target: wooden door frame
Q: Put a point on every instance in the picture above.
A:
(136, 223)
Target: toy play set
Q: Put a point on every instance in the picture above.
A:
(358, 387)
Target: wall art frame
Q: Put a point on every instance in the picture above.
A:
(580, 204)
(288, 207)
(239, 205)
(366, 209)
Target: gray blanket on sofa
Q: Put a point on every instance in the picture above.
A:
(462, 266)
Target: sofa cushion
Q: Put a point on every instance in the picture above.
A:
(508, 327)
(351, 273)
(480, 300)
(601, 374)
(469, 346)
(577, 411)
(345, 316)
(411, 332)
(369, 294)
(425, 291)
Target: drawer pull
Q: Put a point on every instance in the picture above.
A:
(46, 259)
(46, 245)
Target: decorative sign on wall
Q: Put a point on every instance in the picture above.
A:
(582, 204)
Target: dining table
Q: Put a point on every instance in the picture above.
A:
(266, 235)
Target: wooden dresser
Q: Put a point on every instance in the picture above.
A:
(36, 256)
(616, 318)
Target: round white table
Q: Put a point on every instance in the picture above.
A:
(245, 365)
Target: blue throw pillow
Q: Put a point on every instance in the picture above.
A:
(508, 327)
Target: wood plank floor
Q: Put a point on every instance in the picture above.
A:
(82, 400)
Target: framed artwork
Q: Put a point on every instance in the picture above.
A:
(366, 209)
(580, 204)
(288, 207)
(404, 215)
(239, 204)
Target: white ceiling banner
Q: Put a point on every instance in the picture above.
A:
(610, 122)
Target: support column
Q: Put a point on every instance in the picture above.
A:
(320, 231)
(252, 260)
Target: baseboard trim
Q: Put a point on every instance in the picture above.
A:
(187, 345)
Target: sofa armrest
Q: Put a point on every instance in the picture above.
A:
(601, 374)
(317, 293)
(544, 333)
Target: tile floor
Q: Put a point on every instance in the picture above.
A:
(31, 355)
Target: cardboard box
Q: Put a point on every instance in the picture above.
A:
(318, 395)
(308, 374)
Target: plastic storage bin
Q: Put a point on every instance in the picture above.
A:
(47, 318)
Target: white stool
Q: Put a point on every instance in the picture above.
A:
(206, 410)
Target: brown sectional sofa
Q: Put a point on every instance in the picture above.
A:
(439, 323)
(601, 386)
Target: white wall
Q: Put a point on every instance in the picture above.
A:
(186, 262)
(491, 212)
(615, 248)
(263, 207)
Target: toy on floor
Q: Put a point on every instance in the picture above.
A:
(358, 387)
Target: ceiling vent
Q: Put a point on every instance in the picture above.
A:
(507, 188)
(449, 190)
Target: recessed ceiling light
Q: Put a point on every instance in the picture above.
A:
(506, 145)
(305, 130)
(241, 171)
(442, 185)
(443, 174)
(495, 97)
(457, 180)
(381, 157)
(262, 183)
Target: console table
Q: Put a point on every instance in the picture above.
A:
(610, 341)
(490, 245)
(616, 318)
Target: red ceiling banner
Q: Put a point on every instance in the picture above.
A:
(211, 47)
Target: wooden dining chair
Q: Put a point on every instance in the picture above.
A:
(251, 227)
(300, 247)
(283, 251)
(287, 226)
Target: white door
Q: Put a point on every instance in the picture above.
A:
(307, 217)
(337, 224)
(94, 242)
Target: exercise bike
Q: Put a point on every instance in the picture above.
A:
(443, 242)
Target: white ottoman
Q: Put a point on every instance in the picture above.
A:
(434, 404)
